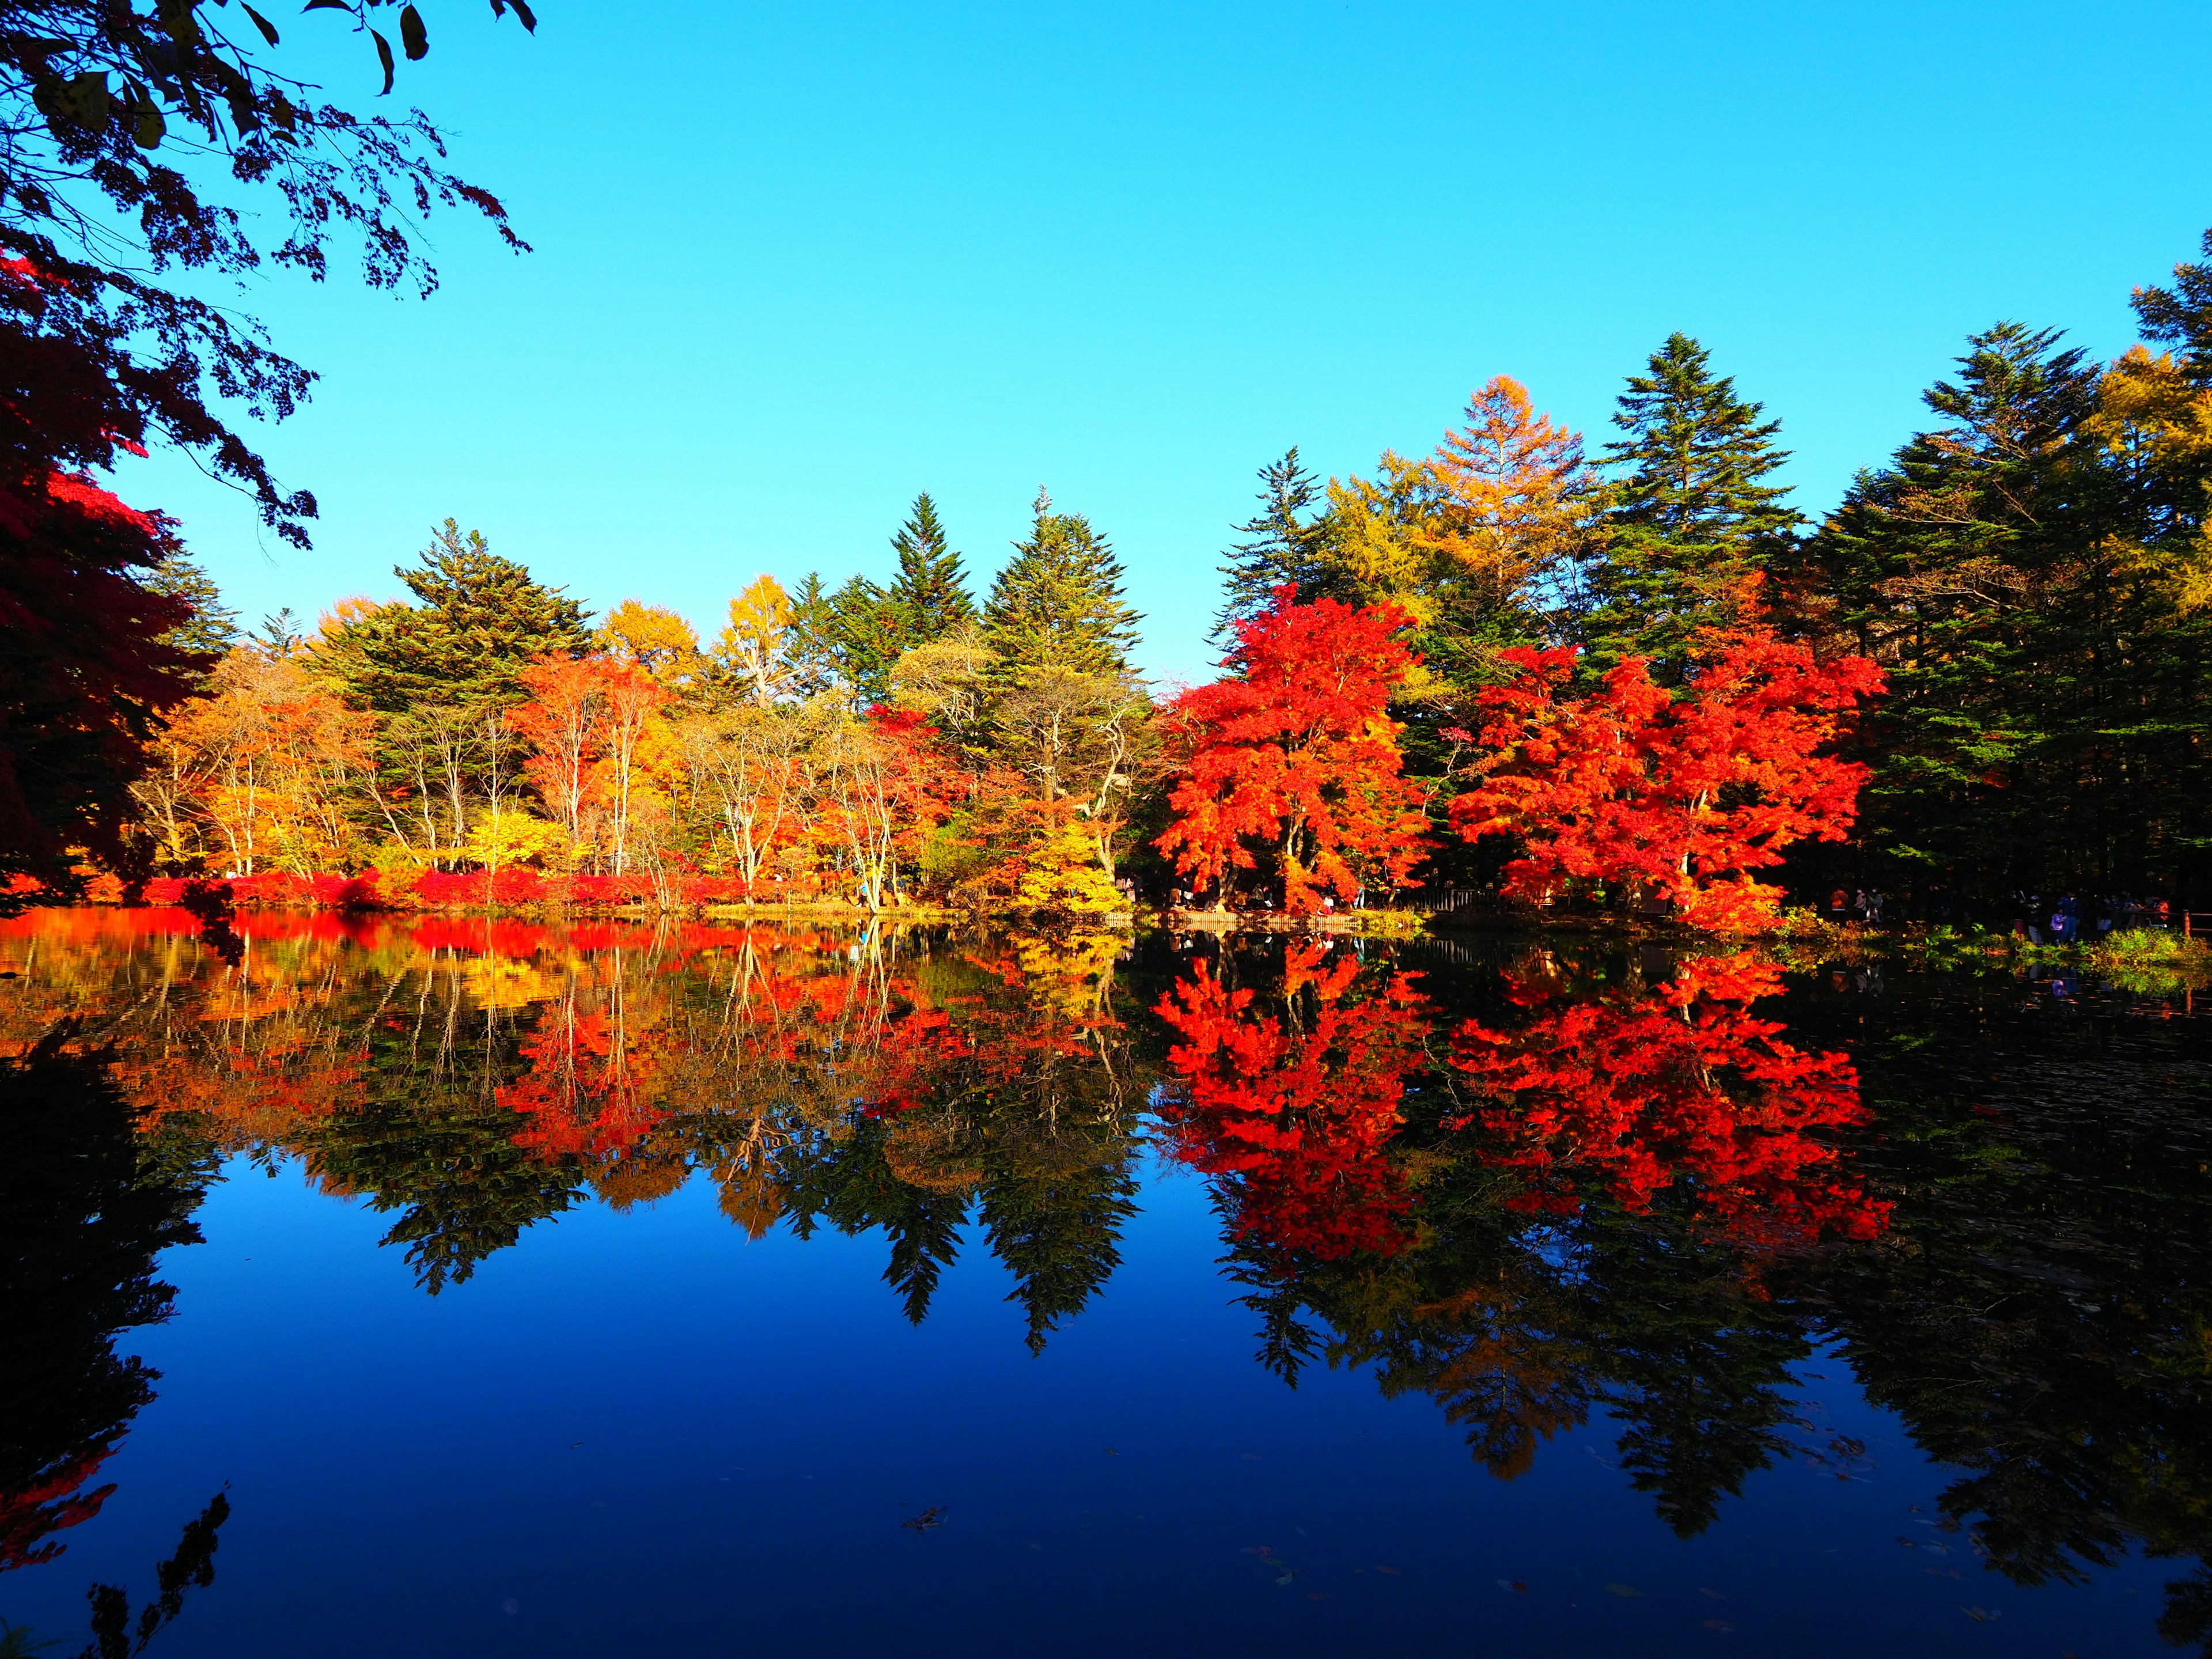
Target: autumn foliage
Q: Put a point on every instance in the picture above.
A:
(1298, 1108)
(1677, 797)
(1294, 757)
(1632, 1093)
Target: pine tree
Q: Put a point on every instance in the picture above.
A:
(478, 621)
(930, 591)
(1949, 568)
(1281, 544)
(213, 629)
(2182, 315)
(1057, 603)
(1690, 520)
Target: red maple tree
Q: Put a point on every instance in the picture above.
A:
(1299, 1113)
(1295, 756)
(1676, 797)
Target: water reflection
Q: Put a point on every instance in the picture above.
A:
(1539, 1187)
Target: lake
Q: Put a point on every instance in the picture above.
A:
(456, 1286)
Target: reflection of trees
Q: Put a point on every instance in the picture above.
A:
(2041, 1313)
(85, 1207)
(1292, 1102)
(1583, 1209)
(474, 1077)
(1679, 1083)
(1611, 1190)
(1002, 1083)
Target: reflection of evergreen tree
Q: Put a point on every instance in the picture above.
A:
(2040, 1316)
(432, 1141)
(1694, 1364)
(847, 1183)
(1016, 1107)
(84, 1209)
(1059, 1232)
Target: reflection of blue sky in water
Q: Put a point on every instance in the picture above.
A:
(757, 1419)
(631, 1430)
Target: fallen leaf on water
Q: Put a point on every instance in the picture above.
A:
(1392, 1572)
(1111, 1452)
(1622, 1589)
(1940, 1572)
(1719, 1624)
(1256, 1549)
(1513, 1584)
(928, 1521)
(1980, 1615)
(1908, 1543)
(1715, 1594)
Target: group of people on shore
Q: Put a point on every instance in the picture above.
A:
(2060, 920)
(2039, 920)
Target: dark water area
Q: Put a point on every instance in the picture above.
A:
(455, 1287)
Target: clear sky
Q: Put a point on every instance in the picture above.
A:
(795, 263)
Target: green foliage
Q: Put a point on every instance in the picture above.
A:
(478, 620)
(1690, 520)
(930, 592)
(212, 627)
(1057, 603)
(2021, 572)
(1285, 541)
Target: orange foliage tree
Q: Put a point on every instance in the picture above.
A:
(1297, 753)
(1681, 1084)
(264, 772)
(1298, 1113)
(1514, 492)
(591, 724)
(1677, 798)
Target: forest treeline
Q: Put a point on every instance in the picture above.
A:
(1633, 677)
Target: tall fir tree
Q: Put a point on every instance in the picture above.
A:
(847, 639)
(1284, 541)
(2021, 572)
(1690, 518)
(1058, 603)
(2182, 315)
(478, 620)
(930, 592)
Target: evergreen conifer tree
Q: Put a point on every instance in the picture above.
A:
(930, 591)
(1690, 520)
(1281, 544)
(1927, 565)
(479, 619)
(1057, 603)
(2182, 315)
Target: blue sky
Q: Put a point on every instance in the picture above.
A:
(795, 263)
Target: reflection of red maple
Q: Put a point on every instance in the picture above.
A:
(1678, 1084)
(1301, 1116)
(33, 1513)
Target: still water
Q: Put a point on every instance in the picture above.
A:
(467, 1288)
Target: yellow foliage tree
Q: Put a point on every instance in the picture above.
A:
(754, 645)
(1065, 876)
